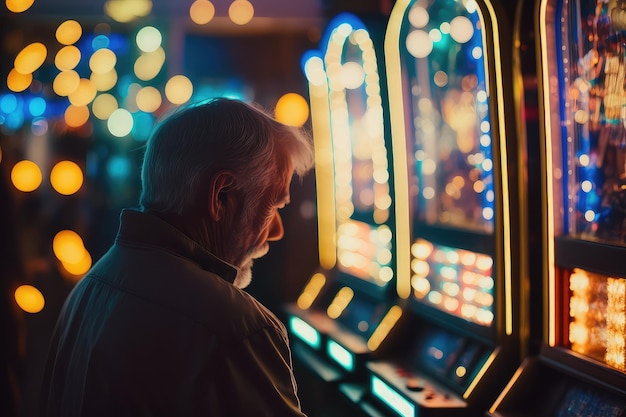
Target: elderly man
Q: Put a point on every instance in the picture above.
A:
(161, 325)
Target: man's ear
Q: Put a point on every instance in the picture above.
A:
(220, 187)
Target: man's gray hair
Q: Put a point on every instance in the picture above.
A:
(195, 142)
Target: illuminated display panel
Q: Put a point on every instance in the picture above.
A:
(587, 173)
(451, 129)
(456, 281)
(360, 162)
(450, 146)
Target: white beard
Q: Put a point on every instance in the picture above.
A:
(244, 272)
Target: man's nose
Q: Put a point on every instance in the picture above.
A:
(276, 230)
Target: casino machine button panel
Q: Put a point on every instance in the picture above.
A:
(455, 191)
(581, 367)
(346, 309)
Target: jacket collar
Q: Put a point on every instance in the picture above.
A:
(146, 229)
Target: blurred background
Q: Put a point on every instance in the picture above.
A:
(82, 85)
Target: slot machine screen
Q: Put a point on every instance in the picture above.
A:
(450, 143)
(360, 159)
(587, 176)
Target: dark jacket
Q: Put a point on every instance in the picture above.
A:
(156, 328)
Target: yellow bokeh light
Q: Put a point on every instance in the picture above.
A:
(29, 299)
(202, 11)
(102, 61)
(81, 267)
(66, 177)
(148, 99)
(125, 11)
(29, 59)
(76, 116)
(104, 82)
(19, 6)
(26, 176)
(68, 247)
(292, 109)
(103, 106)
(69, 32)
(84, 94)
(66, 82)
(18, 82)
(241, 12)
(178, 89)
(148, 65)
(67, 58)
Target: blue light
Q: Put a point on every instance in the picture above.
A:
(100, 41)
(118, 167)
(14, 120)
(37, 106)
(142, 126)
(8, 103)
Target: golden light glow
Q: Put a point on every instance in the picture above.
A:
(324, 175)
(340, 302)
(125, 11)
(597, 309)
(201, 11)
(79, 268)
(386, 325)
(616, 324)
(68, 247)
(66, 82)
(19, 6)
(311, 291)
(102, 61)
(29, 59)
(67, 58)
(398, 140)
(481, 373)
(148, 99)
(178, 89)
(66, 177)
(292, 109)
(76, 116)
(548, 195)
(241, 12)
(84, 94)
(26, 176)
(17, 81)
(148, 65)
(103, 106)
(104, 81)
(69, 32)
(29, 299)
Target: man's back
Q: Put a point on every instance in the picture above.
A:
(154, 330)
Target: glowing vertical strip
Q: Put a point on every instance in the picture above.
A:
(320, 121)
(506, 213)
(544, 110)
(398, 140)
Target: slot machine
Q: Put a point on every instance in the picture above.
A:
(346, 311)
(452, 134)
(580, 369)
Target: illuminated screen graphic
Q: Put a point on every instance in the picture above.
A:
(456, 281)
(587, 170)
(598, 317)
(361, 171)
(451, 131)
(593, 109)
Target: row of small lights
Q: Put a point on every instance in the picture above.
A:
(66, 177)
(124, 11)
